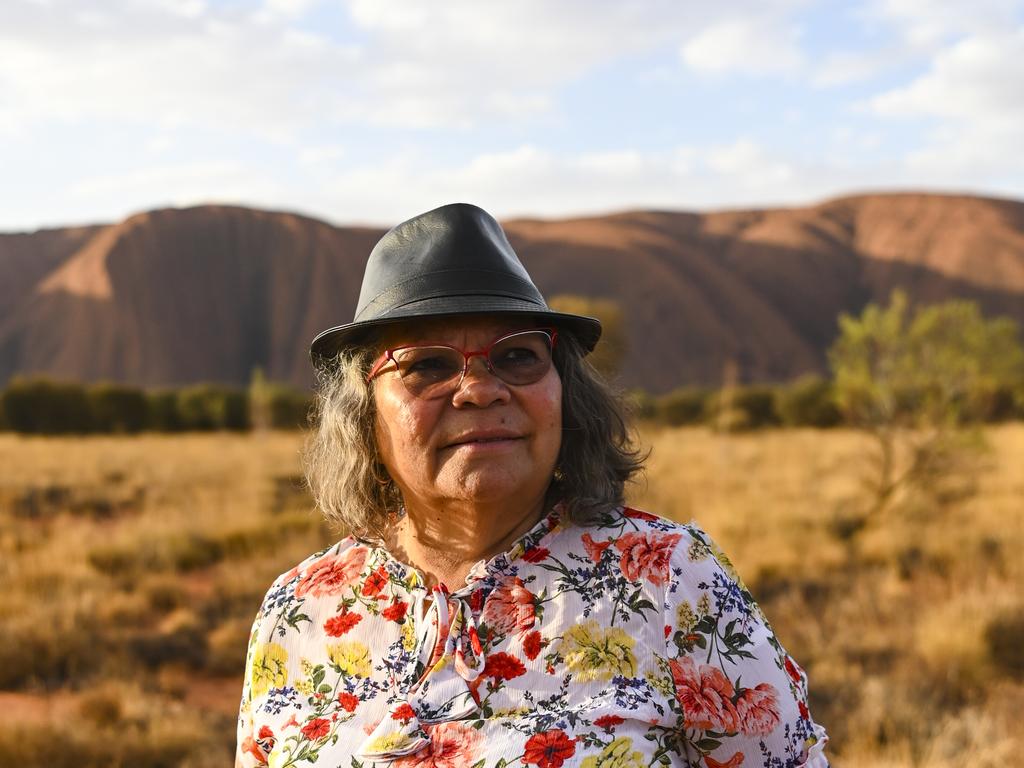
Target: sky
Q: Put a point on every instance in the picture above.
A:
(372, 111)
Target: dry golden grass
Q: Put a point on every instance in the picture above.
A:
(132, 568)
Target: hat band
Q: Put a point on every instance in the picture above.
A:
(450, 283)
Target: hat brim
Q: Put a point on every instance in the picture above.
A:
(329, 343)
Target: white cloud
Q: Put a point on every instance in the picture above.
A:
(152, 63)
(179, 184)
(749, 45)
(975, 88)
(848, 67)
(453, 64)
(530, 181)
(931, 24)
(314, 157)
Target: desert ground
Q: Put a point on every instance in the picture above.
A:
(132, 568)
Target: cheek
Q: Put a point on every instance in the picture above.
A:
(549, 416)
(402, 429)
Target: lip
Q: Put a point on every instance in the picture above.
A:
(483, 437)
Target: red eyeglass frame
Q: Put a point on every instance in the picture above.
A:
(387, 356)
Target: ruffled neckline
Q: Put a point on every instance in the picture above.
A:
(542, 531)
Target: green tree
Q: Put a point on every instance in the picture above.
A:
(918, 382)
(607, 357)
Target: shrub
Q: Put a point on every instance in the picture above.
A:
(162, 411)
(42, 406)
(182, 645)
(642, 405)
(682, 406)
(51, 651)
(808, 402)
(276, 406)
(289, 408)
(207, 407)
(758, 405)
(742, 408)
(1004, 638)
(117, 408)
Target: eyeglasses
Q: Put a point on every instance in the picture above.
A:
(430, 371)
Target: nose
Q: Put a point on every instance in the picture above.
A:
(479, 385)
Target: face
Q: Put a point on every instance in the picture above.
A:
(487, 441)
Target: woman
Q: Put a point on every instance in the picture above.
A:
(496, 604)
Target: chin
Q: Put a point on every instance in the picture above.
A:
(485, 485)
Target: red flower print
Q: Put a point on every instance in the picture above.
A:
(266, 734)
(316, 729)
(668, 631)
(332, 573)
(733, 762)
(375, 582)
(636, 514)
(646, 556)
(705, 695)
(531, 645)
(347, 701)
(758, 710)
(502, 666)
(476, 600)
(608, 721)
(549, 749)
(509, 608)
(594, 549)
(395, 611)
(793, 671)
(249, 745)
(452, 745)
(336, 626)
(804, 714)
(404, 713)
(536, 554)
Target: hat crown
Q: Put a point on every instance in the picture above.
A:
(454, 260)
(457, 249)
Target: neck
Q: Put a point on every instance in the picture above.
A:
(445, 543)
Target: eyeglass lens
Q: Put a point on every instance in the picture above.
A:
(434, 371)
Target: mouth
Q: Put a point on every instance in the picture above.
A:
(483, 438)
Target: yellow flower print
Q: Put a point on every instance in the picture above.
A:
(697, 551)
(596, 654)
(441, 663)
(352, 658)
(408, 636)
(686, 618)
(618, 754)
(268, 668)
(704, 605)
(389, 742)
(661, 681)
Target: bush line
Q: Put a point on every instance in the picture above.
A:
(43, 406)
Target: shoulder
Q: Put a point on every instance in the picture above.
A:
(629, 526)
(320, 573)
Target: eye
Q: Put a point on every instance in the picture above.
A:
(434, 364)
(521, 355)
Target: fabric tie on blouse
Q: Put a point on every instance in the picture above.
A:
(447, 690)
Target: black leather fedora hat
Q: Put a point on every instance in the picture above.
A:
(453, 260)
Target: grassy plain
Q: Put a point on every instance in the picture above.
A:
(132, 568)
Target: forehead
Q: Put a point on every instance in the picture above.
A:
(456, 331)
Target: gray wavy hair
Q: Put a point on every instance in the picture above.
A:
(353, 490)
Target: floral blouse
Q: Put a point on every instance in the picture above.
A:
(627, 643)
